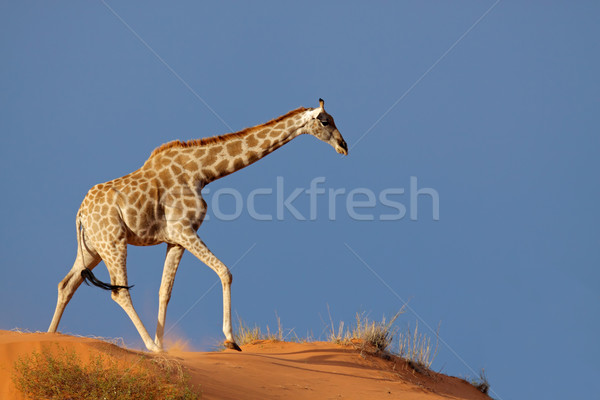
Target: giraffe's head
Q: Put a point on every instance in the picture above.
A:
(321, 126)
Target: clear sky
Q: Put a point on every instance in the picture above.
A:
(489, 108)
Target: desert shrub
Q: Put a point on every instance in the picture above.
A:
(481, 383)
(245, 334)
(62, 375)
(374, 335)
(417, 347)
(378, 337)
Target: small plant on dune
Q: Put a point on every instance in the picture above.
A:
(245, 334)
(62, 375)
(417, 348)
(374, 336)
(340, 336)
(481, 383)
(377, 337)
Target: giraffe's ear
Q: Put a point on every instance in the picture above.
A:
(322, 104)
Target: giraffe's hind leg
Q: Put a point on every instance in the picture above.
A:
(174, 253)
(115, 258)
(86, 258)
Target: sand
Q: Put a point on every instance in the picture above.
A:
(264, 370)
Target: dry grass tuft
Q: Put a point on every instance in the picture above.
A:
(377, 337)
(417, 347)
(245, 334)
(373, 336)
(481, 383)
(62, 375)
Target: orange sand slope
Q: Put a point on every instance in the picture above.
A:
(265, 370)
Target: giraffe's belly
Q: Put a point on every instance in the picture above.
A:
(145, 234)
(141, 241)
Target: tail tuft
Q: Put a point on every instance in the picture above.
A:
(88, 277)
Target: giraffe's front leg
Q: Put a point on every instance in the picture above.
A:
(194, 245)
(174, 254)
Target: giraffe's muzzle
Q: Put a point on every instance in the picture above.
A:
(340, 144)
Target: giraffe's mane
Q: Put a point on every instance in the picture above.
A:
(223, 138)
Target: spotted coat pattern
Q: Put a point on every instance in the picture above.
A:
(162, 203)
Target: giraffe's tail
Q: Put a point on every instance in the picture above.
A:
(86, 273)
(88, 277)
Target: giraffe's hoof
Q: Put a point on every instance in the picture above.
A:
(232, 345)
(154, 348)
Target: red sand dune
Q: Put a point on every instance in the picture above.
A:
(265, 370)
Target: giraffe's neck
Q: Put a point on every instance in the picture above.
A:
(253, 144)
(206, 160)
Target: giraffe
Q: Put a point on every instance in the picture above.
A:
(162, 203)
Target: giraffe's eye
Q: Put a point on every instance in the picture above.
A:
(322, 117)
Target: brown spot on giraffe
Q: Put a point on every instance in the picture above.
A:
(238, 164)
(209, 174)
(164, 161)
(189, 202)
(222, 166)
(252, 156)
(182, 179)
(266, 144)
(234, 148)
(214, 151)
(165, 177)
(262, 134)
(199, 153)
(176, 169)
(251, 141)
(182, 159)
(208, 159)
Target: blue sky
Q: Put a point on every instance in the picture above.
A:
(492, 105)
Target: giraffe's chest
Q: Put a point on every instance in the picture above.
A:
(176, 210)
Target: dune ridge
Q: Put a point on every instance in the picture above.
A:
(264, 370)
